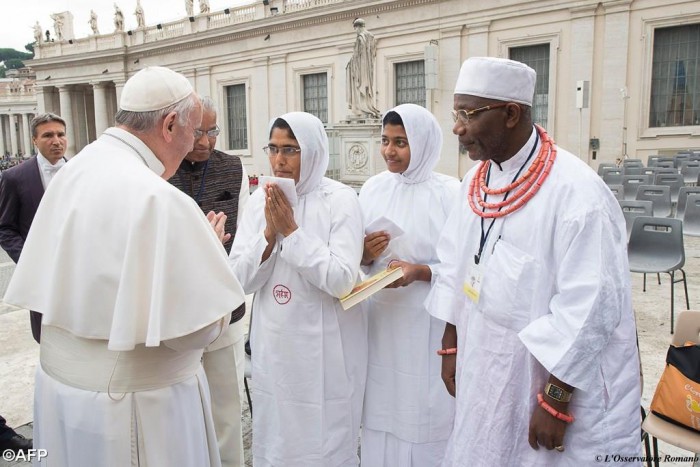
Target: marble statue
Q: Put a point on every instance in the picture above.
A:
(38, 33)
(58, 26)
(204, 6)
(360, 73)
(140, 19)
(93, 22)
(118, 19)
(189, 7)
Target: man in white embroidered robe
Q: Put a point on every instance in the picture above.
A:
(550, 295)
(127, 307)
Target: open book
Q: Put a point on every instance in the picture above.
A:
(369, 287)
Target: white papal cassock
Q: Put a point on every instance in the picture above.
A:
(132, 283)
(555, 298)
(308, 354)
(405, 397)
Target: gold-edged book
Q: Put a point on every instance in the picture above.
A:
(370, 286)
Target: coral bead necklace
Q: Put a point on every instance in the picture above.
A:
(525, 187)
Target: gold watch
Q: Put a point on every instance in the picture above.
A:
(557, 393)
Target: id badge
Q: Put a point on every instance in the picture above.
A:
(472, 283)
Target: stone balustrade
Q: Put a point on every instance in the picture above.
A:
(162, 31)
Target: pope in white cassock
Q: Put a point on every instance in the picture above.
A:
(407, 413)
(308, 354)
(536, 288)
(127, 304)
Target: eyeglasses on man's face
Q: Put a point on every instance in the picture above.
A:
(286, 151)
(465, 116)
(210, 134)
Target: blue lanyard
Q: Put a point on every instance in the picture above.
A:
(485, 236)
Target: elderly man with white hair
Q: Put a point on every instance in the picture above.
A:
(127, 308)
(540, 346)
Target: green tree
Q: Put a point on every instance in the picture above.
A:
(7, 54)
(12, 59)
(30, 48)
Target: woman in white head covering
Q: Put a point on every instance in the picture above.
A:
(408, 413)
(308, 355)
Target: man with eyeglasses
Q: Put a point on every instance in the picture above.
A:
(218, 182)
(539, 348)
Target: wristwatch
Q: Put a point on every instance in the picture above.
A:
(557, 393)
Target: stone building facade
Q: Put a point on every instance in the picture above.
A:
(615, 77)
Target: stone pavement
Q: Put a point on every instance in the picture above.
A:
(19, 353)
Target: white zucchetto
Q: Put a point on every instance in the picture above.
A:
(497, 78)
(154, 88)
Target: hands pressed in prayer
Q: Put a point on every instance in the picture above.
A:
(375, 244)
(279, 215)
(218, 223)
(411, 272)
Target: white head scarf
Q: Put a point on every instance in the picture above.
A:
(313, 141)
(425, 139)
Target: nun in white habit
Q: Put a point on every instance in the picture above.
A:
(308, 355)
(407, 415)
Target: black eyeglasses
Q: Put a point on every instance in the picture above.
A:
(210, 134)
(286, 151)
(464, 116)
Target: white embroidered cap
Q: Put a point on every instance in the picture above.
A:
(497, 78)
(154, 88)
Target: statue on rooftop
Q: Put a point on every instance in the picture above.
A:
(118, 19)
(204, 6)
(38, 33)
(140, 18)
(58, 25)
(189, 7)
(360, 73)
(93, 22)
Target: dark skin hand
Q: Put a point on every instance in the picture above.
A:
(375, 244)
(546, 430)
(411, 272)
(449, 362)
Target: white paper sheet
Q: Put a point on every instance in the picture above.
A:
(386, 224)
(284, 184)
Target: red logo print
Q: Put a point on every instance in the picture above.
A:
(282, 294)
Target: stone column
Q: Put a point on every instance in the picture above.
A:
(43, 103)
(614, 77)
(2, 135)
(582, 62)
(277, 82)
(118, 86)
(66, 101)
(13, 134)
(27, 135)
(449, 62)
(101, 106)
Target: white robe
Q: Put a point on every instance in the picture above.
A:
(308, 354)
(555, 299)
(405, 395)
(124, 260)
